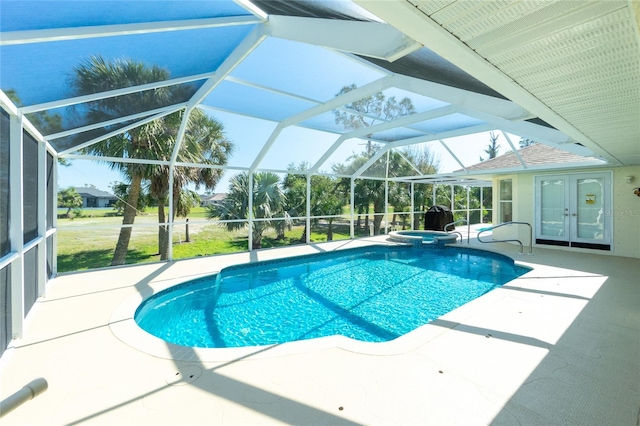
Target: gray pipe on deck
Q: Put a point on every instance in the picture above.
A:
(30, 391)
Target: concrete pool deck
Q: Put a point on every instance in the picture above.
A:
(559, 345)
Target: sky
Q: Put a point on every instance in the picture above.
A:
(41, 72)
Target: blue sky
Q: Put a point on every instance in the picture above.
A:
(40, 72)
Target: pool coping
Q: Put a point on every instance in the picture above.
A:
(124, 327)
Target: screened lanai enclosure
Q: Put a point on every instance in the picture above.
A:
(309, 120)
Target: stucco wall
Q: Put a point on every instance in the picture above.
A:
(625, 211)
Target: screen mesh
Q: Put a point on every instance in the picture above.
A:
(30, 187)
(5, 307)
(30, 278)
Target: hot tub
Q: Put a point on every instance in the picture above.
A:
(438, 238)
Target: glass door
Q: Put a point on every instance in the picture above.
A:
(571, 210)
(588, 206)
(553, 208)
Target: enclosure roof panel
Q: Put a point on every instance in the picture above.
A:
(306, 64)
(42, 15)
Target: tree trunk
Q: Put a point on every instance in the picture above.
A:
(366, 218)
(303, 237)
(129, 215)
(257, 241)
(163, 238)
(330, 231)
(377, 219)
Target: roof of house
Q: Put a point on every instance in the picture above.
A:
(88, 191)
(213, 197)
(533, 155)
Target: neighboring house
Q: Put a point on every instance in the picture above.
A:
(209, 199)
(92, 197)
(571, 202)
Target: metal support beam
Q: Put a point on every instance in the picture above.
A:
(16, 224)
(354, 95)
(117, 132)
(250, 212)
(413, 206)
(375, 39)
(41, 260)
(77, 33)
(515, 151)
(353, 208)
(308, 209)
(422, 28)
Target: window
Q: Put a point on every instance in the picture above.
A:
(506, 201)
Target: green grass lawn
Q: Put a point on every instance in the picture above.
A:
(82, 245)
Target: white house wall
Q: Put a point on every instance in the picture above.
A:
(625, 210)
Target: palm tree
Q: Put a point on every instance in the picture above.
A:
(268, 202)
(204, 143)
(493, 147)
(326, 199)
(144, 142)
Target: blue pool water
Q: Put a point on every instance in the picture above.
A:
(372, 294)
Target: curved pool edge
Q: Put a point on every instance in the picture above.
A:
(124, 327)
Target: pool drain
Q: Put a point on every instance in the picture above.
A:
(184, 375)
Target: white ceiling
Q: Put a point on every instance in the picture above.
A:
(574, 64)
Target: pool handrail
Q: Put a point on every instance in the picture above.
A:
(456, 232)
(510, 240)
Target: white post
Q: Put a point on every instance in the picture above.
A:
(250, 212)
(452, 198)
(481, 203)
(54, 236)
(308, 227)
(468, 199)
(412, 204)
(386, 198)
(41, 260)
(353, 202)
(16, 224)
(433, 194)
(169, 233)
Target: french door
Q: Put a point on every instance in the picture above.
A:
(574, 210)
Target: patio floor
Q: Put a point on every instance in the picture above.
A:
(559, 345)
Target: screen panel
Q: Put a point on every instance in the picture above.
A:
(30, 278)
(30, 187)
(5, 307)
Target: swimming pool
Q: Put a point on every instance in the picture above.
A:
(372, 294)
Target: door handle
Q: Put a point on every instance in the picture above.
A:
(573, 214)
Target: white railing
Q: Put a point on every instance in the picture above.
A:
(456, 232)
(510, 240)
